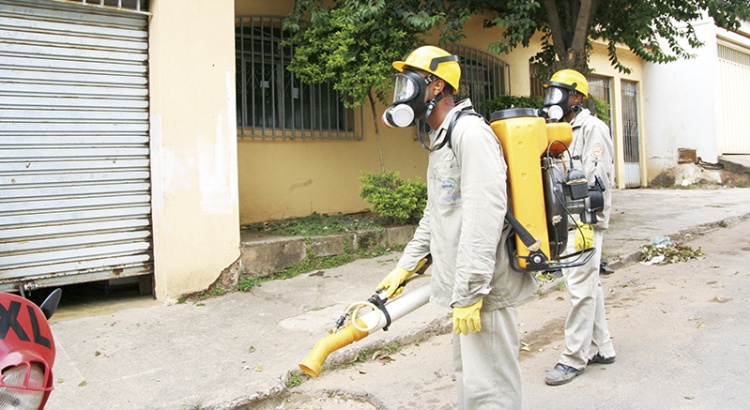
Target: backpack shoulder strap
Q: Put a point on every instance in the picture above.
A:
(454, 119)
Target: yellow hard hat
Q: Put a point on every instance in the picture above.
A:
(436, 61)
(571, 80)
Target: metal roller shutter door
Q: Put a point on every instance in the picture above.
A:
(734, 105)
(74, 144)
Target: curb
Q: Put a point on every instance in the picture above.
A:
(264, 255)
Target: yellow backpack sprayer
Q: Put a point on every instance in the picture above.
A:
(544, 196)
(546, 190)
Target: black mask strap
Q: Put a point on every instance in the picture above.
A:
(439, 60)
(431, 105)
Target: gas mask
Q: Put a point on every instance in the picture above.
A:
(408, 100)
(555, 106)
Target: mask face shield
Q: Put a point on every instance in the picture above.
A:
(556, 102)
(555, 96)
(408, 100)
(405, 89)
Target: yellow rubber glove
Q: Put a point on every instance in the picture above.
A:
(467, 318)
(584, 236)
(393, 280)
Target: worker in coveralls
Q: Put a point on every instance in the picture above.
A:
(463, 228)
(587, 339)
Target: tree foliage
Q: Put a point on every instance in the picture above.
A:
(658, 31)
(353, 42)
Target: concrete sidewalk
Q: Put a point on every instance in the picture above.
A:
(232, 351)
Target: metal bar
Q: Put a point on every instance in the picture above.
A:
(253, 79)
(292, 109)
(243, 79)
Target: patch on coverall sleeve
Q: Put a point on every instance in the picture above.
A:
(597, 151)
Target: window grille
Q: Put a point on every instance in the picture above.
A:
(631, 135)
(537, 81)
(127, 5)
(483, 76)
(271, 102)
(735, 56)
(599, 87)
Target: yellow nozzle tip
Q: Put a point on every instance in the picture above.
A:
(310, 371)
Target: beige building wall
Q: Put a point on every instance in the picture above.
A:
(290, 178)
(599, 60)
(281, 179)
(194, 146)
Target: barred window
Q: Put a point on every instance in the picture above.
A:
(127, 5)
(271, 102)
(483, 76)
(600, 87)
(537, 81)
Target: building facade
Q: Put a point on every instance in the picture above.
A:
(698, 105)
(137, 136)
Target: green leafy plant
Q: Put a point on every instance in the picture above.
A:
(602, 108)
(392, 347)
(655, 31)
(315, 224)
(510, 101)
(353, 43)
(392, 197)
(293, 380)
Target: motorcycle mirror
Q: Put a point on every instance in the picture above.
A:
(49, 305)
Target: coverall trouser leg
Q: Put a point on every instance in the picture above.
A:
(586, 330)
(488, 375)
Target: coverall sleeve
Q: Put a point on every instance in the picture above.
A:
(419, 246)
(484, 204)
(597, 153)
(597, 157)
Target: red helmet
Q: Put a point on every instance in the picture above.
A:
(27, 352)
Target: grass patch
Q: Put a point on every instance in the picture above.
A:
(212, 292)
(294, 379)
(315, 263)
(319, 224)
(392, 348)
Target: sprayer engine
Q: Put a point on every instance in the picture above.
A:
(566, 194)
(548, 190)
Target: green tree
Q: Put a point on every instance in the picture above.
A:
(353, 43)
(567, 27)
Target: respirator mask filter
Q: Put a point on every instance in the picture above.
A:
(556, 102)
(408, 100)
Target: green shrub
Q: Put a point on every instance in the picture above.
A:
(601, 107)
(597, 106)
(393, 198)
(510, 101)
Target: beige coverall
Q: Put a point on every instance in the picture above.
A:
(586, 330)
(463, 229)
